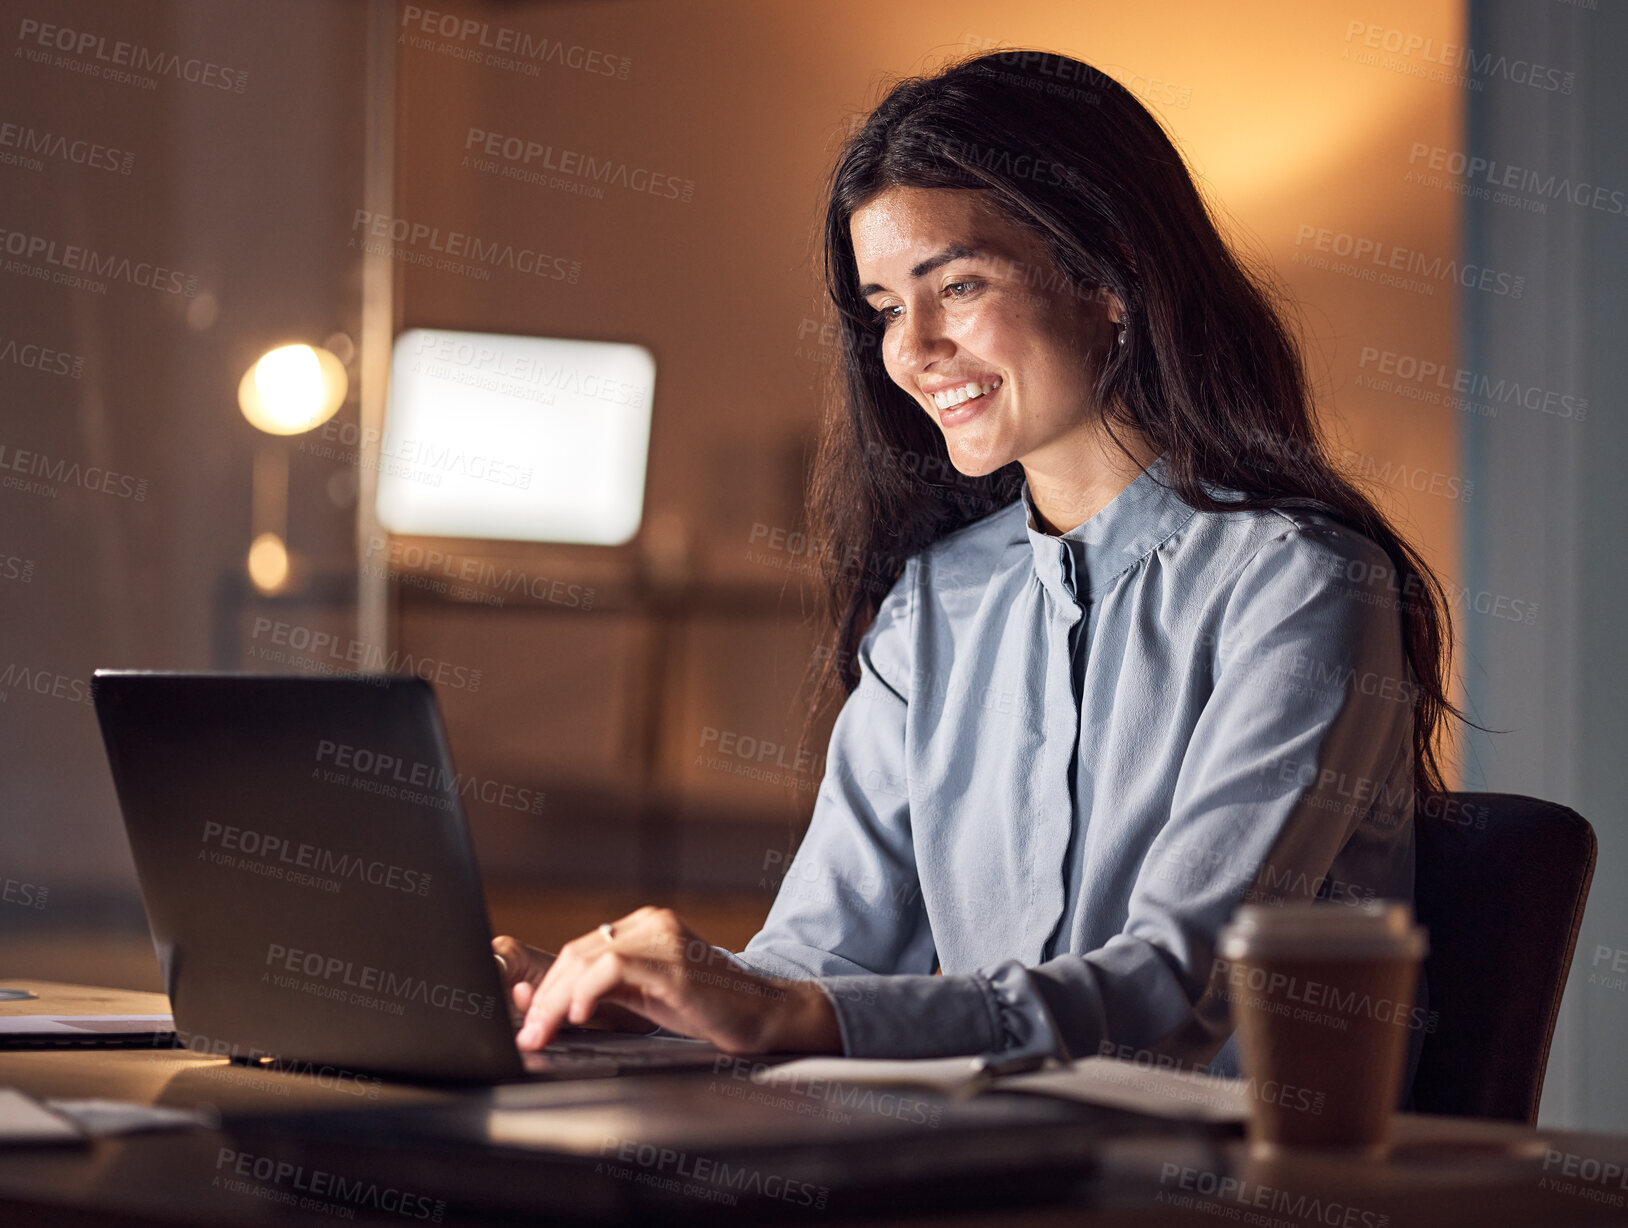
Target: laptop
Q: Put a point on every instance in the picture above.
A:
(311, 885)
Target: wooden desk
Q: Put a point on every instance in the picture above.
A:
(671, 1149)
(173, 1077)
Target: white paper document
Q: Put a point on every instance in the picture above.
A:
(84, 1025)
(939, 1073)
(1182, 1095)
(104, 1118)
(25, 1120)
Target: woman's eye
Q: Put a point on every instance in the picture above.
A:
(960, 289)
(886, 316)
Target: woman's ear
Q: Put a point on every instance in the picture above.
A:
(1113, 304)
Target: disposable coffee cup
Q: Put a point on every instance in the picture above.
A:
(1322, 996)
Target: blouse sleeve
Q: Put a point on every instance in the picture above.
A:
(850, 901)
(1311, 693)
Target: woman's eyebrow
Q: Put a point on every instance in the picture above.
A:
(957, 251)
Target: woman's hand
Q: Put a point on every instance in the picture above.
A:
(655, 966)
(523, 970)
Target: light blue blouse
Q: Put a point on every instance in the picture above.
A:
(1069, 759)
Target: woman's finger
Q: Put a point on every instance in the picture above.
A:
(549, 999)
(642, 990)
(510, 958)
(563, 964)
(598, 979)
(530, 1035)
(555, 1001)
(588, 973)
(519, 962)
(546, 1013)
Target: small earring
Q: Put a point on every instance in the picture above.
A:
(1122, 332)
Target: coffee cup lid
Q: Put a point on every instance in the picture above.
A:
(1369, 930)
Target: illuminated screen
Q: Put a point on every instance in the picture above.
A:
(519, 438)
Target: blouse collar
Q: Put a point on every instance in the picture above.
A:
(1091, 556)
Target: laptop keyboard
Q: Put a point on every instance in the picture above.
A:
(614, 1053)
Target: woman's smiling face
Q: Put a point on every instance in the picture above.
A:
(980, 329)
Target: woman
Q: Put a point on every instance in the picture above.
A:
(1124, 650)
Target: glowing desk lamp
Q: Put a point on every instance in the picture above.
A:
(289, 390)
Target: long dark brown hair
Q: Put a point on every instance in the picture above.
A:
(1208, 374)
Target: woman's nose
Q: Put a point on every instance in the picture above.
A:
(920, 341)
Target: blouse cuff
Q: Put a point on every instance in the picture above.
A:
(997, 1010)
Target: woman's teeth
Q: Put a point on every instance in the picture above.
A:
(951, 397)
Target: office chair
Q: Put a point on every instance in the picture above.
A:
(1501, 881)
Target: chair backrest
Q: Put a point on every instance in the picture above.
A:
(1501, 881)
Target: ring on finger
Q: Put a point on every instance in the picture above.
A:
(607, 931)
